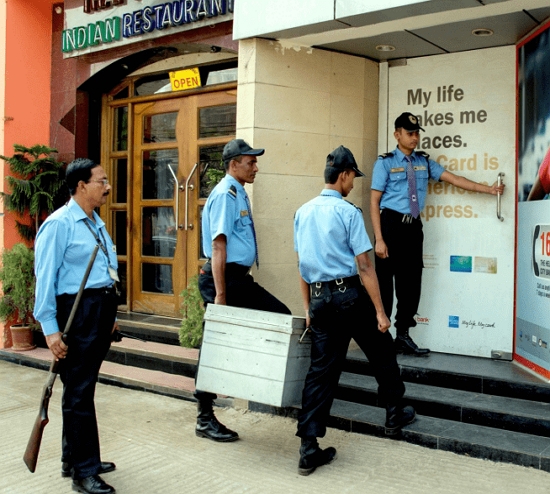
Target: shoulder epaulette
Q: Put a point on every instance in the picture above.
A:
(354, 205)
(386, 155)
(422, 153)
(232, 191)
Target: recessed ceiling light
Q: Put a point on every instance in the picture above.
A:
(385, 48)
(482, 32)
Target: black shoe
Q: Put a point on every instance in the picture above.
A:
(210, 428)
(320, 457)
(105, 467)
(93, 485)
(397, 417)
(404, 344)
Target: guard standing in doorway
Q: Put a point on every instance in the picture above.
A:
(229, 240)
(342, 301)
(399, 187)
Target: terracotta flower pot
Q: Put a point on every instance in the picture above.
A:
(22, 338)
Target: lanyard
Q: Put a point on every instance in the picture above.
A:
(98, 240)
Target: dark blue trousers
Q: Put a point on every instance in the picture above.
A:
(88, 340)
(337, 317)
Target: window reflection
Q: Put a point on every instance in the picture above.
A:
(211, 168)
(158, 181)
(120, 124)
(158, 233)
(160, 127)
(156, 278)
(217, 121)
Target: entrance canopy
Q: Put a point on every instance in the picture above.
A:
(392, 29)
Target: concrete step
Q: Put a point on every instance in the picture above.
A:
(158, 329)
(513, 414)
(154, 381)
(448, 435)
(151, 355)
(475, 374)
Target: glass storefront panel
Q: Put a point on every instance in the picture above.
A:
(156, 278)
(160, 127)
(211, 168)
(158, 232)
(120, 126)
(119, 232)
(217, 121)
(158, 181)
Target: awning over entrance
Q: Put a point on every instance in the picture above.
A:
(389, 30)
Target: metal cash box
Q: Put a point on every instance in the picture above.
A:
(253, 355)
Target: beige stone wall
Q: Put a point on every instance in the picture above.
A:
(300, 104)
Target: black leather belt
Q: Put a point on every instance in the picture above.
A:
(341, 284)
(104, 290)
(231, 269)
(397, 216)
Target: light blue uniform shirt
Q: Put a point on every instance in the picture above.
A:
(328, 234)
(63, 249)
(226, 213)
(390, 177)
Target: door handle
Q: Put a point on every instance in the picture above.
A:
(499, 182)
(189, 226)
(177, 188)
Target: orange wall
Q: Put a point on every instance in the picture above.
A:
(27, 84)
(28, 42)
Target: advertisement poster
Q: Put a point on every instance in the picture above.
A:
(465, 103)
(532, 341)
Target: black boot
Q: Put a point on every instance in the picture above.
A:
(397, 417)
(404, 344)
(312, 456)
(208, 425)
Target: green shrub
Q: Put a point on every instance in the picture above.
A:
(18, 284)
(192, 310)
(36, 187)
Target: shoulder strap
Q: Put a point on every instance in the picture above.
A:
(232, 191)
(354, 205)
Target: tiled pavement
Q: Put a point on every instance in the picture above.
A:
(151, 439)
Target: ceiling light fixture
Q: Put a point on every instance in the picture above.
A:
(482, 32)
(385, 48)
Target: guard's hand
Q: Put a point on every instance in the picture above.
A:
(497, 189)
(220, 300)
(115, 327)
(383, 322)
(381, 249)
(57, 345)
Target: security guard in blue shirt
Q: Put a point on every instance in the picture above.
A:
(342, 301)
(229, 241)
(399, 187)
(64, 245)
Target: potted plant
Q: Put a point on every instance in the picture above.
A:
(17, 301)
(35, 188)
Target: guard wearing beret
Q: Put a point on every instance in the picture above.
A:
(342, 301)
(229, 241)
(399, 187)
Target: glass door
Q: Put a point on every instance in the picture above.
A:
(175, 144)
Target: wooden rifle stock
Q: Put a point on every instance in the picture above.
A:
(33, 447)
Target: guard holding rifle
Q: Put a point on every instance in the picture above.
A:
(63, 247)
(342, 301)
